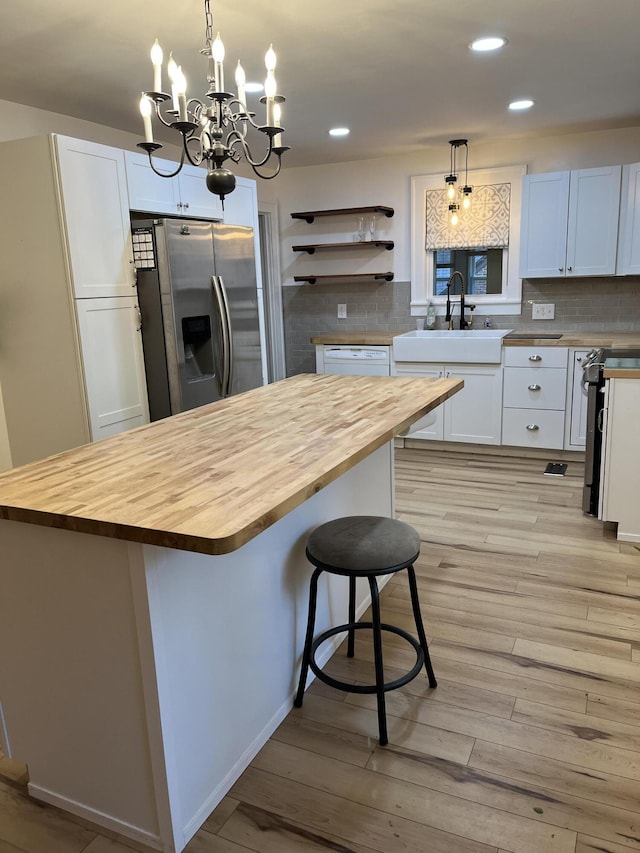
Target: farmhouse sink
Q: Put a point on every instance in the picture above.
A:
(483, 346)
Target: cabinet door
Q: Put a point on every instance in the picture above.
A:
(149, 192)
(435, 430)
(576, 432)
(629, 245)
(475, 413)
(195, 198)
(96, 214)
(543, 234)
(113, 364)
(592, 231)
(241, 208)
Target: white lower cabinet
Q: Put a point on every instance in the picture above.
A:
(535, 382)
(113, 364)
(473, 415)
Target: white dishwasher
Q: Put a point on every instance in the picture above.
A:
(353, 360)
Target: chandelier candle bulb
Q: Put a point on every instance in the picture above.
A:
(181, 92)
(156, 60)
(172, 71)
(145, 112)
(240, 83)
(217, 51)
(270, 90)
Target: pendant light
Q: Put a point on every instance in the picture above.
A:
(451, 181)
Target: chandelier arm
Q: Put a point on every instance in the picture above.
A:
(166, 174)
(194, 159)
(247, 150)
(268, 177)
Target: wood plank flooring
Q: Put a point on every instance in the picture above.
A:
(529, 744)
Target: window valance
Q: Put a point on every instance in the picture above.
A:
(484, 225)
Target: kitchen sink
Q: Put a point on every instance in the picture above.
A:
(483, 346)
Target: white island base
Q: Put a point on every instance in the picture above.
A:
(137, 682)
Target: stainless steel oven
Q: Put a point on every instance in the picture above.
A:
(593, 386)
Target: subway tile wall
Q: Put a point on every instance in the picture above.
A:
(596, 305)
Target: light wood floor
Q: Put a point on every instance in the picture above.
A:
(531, 741)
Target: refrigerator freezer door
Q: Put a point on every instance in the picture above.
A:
(236, 271)
(193, 330)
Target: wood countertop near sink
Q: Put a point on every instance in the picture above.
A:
(356, 338)
(567, 339)
(211, 479)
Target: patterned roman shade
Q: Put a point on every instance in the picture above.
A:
(485, 225)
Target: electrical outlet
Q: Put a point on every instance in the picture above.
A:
(342, 311)
(543, 311)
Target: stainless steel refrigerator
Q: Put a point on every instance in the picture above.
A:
(199, 311)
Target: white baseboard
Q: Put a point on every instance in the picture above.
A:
(97, 817)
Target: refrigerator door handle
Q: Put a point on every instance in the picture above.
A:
(229, 339)
(222, 312)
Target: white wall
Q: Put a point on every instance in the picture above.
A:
(387, 181)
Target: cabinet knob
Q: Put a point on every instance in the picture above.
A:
(535, 358)
(534, 387)
(578, 358)
(569, 269)
(179, 205)
(560, 269)
(533, 427)
(186, 205)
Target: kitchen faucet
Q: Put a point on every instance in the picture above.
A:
(450, 306)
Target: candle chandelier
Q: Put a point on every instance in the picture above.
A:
(216, 130)
(451, 181)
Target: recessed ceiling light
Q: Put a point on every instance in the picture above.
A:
(488, 43)
(253, 87)
(525, 104)
(339, 131)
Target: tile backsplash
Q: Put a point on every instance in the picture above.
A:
(595, 305)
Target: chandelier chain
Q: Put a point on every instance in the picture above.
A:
(208, 15)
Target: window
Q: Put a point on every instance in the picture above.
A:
(481, 268)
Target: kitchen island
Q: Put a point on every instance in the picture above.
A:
(154, 591)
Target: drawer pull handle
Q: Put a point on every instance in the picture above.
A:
(534, 387)
(533, 427)
(535, 358)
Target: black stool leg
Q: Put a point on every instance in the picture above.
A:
(352, 616)
(377, 653)
(419, 626)
(311, 622)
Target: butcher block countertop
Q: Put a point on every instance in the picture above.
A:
(211, 479)
(568, 339)
(622, 368)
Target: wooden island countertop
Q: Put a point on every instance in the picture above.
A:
(210, 479)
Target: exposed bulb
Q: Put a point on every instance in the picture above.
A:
(217, 49)
(145, 106)
(454, 218)
(270, 59)
(156, 53)
(451, 192)
(466, 202)
(172, 68)
(180, 81)
(241, 77)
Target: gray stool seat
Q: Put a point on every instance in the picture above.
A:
(364, 546)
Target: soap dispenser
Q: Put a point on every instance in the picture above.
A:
(431, 316)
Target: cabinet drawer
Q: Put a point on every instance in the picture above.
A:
(531, 388)
(533, 428)
(535, 357)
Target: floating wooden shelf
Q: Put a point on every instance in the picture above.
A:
(310, 215)
(323, 279)
(310, 248)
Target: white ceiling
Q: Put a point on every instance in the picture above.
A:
(399, 75)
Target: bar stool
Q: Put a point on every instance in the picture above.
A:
(364, 546)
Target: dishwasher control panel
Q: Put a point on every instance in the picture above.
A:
(358, 360)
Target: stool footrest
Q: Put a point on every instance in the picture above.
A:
(366, 688)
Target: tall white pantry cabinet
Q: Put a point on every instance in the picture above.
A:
(71, 362)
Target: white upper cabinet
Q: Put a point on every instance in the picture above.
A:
(186, 194)
(96, 217)
(570, 223)
(629, 245)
